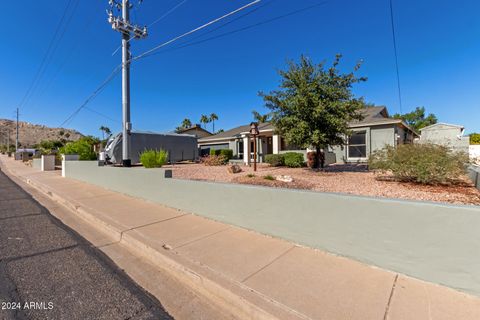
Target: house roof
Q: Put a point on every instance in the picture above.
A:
(373, 116)
(196, 127)
(237, 131)
(443, 124)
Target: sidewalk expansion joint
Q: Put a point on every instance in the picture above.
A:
(202, 238)
(385, 316)
(268, 264)
(152, 223)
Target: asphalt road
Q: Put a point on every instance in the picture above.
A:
(48, 271)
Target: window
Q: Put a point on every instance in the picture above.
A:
(357, 145)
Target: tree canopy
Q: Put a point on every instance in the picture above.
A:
(315, 103)
(475, 138)
(417, 119)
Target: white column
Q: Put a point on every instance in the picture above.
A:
(246, 150)
(276, 144)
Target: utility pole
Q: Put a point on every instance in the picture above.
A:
(128, 32)
(16, 140)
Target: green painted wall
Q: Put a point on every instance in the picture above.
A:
(433, 242)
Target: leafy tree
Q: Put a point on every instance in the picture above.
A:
(212, 119)
(314, 104)
(204, 120)
(259, 117)
(417, 119)
(475, 138)
(83, 147)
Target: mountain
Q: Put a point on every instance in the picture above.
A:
(30, 134)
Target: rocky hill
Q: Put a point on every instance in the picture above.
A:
(31, 134)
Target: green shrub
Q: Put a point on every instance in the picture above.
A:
(421, 163)
(153, 158)
(293, 159)
(275, 160)
(228, 153)
(83, 147)
(475, 138)
(269, 177)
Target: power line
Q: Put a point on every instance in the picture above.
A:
(46, 54)
(52, 49)
(92, 96)
(190, 43)
(103, 115)
(118, 68)
(396, 56)
(195, 30)
(163, 16)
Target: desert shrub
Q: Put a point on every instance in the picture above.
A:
(214, 160)
(153, 158)
(293, 159)
(83, 147)
(421, 163)
(251, 175)
(275, 160)
(269, 177)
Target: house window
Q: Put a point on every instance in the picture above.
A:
(357, 145)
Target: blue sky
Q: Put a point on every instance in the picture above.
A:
(438, 48)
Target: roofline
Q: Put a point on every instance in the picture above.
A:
(444, 123)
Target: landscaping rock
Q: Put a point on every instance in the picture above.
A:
(284, 178)
(234, 169)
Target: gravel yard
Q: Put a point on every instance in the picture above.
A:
(341, 179)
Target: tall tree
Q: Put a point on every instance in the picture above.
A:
(204, 119)
(212, 119)
(259, 117)
(314, 104)
(417, 119)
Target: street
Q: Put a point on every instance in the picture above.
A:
(48, 271)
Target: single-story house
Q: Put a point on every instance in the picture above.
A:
(374, 132)
(449, 135)
(195, 130)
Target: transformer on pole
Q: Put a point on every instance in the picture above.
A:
(128, 32)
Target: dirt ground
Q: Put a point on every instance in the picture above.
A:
(339, 179)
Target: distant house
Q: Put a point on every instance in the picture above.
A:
(450, 135)
(195, 130)
(374, 132)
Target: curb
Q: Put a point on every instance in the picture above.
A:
(223, 293)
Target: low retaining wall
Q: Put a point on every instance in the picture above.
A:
(474, 175)
(434, 242)
(37, 163)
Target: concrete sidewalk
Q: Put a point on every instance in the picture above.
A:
(247, 274)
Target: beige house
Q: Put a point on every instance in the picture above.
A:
(196, 131)
(374, 132)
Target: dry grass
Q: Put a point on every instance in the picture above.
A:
(338, 179)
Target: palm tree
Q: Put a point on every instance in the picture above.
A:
(213, 117)
(186, 123)
(105, 131)
(204, 119)
(260, 118)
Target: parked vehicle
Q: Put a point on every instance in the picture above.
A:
(180, 147)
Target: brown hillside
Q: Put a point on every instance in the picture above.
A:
(31, 134)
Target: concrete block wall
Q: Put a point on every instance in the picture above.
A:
(430, 241)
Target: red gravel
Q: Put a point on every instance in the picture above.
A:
(340, 179)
